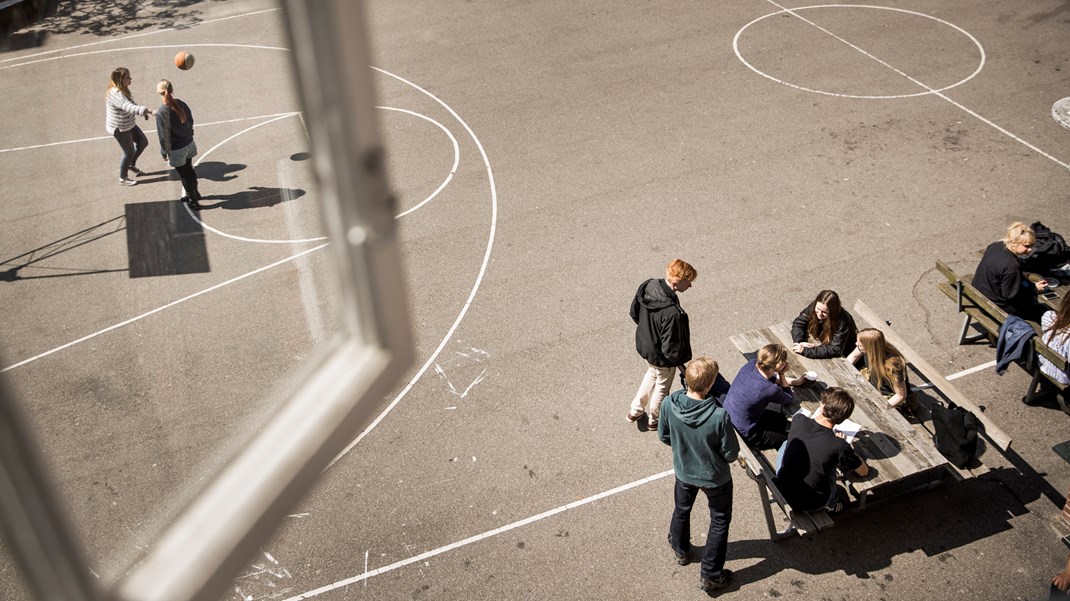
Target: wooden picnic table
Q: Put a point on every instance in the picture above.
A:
(1060, 290)
(900, 456)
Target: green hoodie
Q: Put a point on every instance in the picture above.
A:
(702, 438)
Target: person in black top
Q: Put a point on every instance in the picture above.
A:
(829, 324)
(809, 459)
(174, 126)
(999, 274)
(662, 337)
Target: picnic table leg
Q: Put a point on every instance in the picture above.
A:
(767, 509)
(1033, 384)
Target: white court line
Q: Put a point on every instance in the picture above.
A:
(933, 91)
(131, 36)
(475, 287)
(161, 308)
(971, 370)
(479, 537)
(147, 131)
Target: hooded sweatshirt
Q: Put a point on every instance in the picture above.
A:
(702, 438)
(663, 333)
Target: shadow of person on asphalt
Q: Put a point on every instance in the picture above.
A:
(255, 197)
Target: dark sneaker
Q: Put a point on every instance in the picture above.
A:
(681, 558)
(136, 171)
(715, 584)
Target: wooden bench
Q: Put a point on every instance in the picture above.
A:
(983, 313)
(760, 469)
(978, 309)
(989, 430)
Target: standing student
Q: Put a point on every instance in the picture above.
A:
(999, 274)
(174, 126)
(662, 337)
(703, 447)
(757, 394)
(806, 474)
(826, 321)
(120, 114)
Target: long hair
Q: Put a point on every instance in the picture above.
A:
(884, 360)
(1062, 318)
(116, 82)
(824, 330)
(165, 89)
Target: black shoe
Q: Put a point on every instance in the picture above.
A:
(681, 558)
(196, 206)
(136, 171)
(714, 584)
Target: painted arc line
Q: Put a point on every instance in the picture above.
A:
(479, 537)
(453, 170)
(792, 11)
(147, 131)
(475, 286)
(163, 307)
(138, 35)
(127, 48)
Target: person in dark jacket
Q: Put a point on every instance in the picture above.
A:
(827, 323)
(704, 445)
(174, 126)
(999, 274)
(662, 337)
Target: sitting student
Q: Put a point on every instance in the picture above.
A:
(759, 383)
(884, 366)
(827, 322)
(806, 474)
(1055, 328)
(999, 274)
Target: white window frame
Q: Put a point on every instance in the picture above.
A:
(201, 552)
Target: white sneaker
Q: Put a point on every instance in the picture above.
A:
(126, 182)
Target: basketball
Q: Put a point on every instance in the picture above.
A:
(184, 60)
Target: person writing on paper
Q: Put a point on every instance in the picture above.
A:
(884, 366)
(759, 384)
(808, 461)
(826, 322)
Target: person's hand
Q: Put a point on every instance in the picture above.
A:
(1041, 285)
(799, 381)
(839, 434)
(165, 159)
(1062, 581)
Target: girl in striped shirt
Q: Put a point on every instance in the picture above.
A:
(119, 119)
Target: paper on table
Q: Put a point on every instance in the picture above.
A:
(849, 428)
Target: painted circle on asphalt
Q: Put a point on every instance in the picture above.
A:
(795, 13)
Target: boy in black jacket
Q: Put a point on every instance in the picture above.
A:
(662, 337)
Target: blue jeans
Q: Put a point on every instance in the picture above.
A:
(133, 143)
(720, 502)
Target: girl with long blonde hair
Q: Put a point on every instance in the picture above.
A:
(120, 113)
(884, 367)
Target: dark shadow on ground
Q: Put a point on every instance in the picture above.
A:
(254, 198)
(936, 522)
(217, 171)
(12, 268)
(116, 17)
(162, 239)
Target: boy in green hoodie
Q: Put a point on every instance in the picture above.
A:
(703, 445)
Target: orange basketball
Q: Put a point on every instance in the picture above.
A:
(184, 60)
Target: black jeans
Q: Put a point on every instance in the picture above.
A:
(133, 143)
(770, 432)
(189, 179)
(720, 502)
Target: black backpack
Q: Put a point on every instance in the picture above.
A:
(1049, 252)
(956, 433)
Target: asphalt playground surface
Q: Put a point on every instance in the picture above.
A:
(548, 157)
